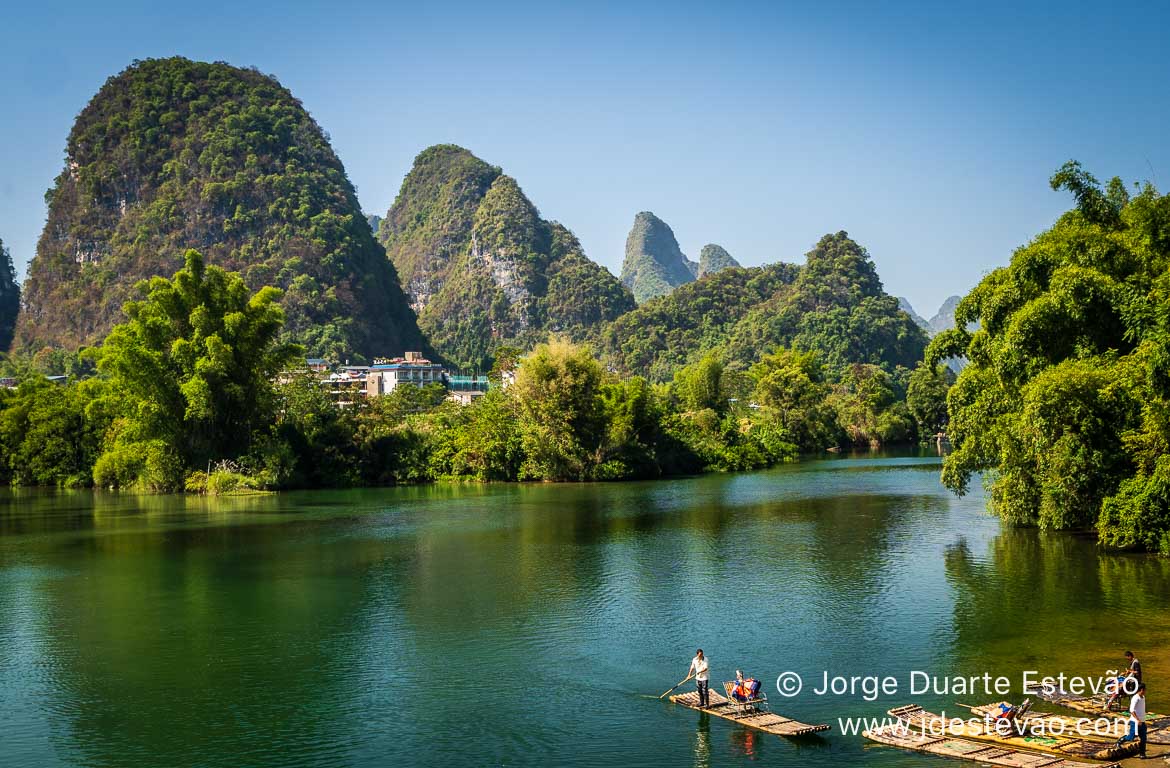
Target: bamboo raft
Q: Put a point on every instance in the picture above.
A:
(1050, 721)
(768, 722)
(920, 720)
(964, 749)
(1157, 726)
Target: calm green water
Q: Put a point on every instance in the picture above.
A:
(526, 625)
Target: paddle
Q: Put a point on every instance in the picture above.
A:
(680, 682)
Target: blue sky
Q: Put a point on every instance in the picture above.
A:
(926, 130)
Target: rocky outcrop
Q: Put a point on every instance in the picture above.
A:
(172, 154)
(714, 258)
(654, 264)
(482, 268)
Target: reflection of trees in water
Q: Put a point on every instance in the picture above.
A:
(1055, 603)
(201, 645)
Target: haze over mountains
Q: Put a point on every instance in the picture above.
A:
(942, 320)
(173, 154)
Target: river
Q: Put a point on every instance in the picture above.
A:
(521, 625)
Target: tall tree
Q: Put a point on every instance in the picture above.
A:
(1067, 394)
(192, 366)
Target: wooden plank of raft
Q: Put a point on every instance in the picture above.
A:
(768, 722)
(964, 749)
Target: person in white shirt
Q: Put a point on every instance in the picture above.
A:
(699, 667)
(1137, 718)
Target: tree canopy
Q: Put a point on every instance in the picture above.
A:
(1066, 397)
(192, 369)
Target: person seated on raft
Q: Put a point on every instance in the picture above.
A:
(745, 689)
(1116, 686)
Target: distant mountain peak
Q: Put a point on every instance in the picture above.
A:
(714, 258)
(654, 264)
(919, 320)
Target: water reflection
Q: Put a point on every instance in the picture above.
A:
(515, 625)
(1030, 600)
(703, 741)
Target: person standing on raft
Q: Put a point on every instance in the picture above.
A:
(699, 667)
(1137, 714)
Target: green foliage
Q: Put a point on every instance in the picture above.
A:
(173, 153)
(561, 419)
(699, 386)
(482, 267)
(665, 333)
(192, 367)
(926, 398)
(869, 408)
(147, 465)
(654, 264)
(9, 298)
(834, 305)
(1066, 392)
(793, 397)
(51, 434)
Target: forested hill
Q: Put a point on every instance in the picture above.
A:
(834, 304)
(483, 269)
(654, 265)
(174, 154)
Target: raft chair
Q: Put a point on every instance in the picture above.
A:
(758, 703)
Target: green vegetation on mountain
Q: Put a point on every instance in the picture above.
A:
(654, 264)
(1065, 400)
(919, 320)
(833, 305)
(714, 258)
(483, 269)
(9, 298)
(174, 154)
(662, 335)
(195, 392)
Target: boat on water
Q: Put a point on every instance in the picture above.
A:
(758, 718)
(1157, 725)
(1022, 735)
(1087, 727)
(966, 749)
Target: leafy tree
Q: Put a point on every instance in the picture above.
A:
(926, 397)
(792, 394)
(193, 366)
(699, 385)
(51, 434)
(868, 407)
(312, 443)
(1066, 391)
(561, 420)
